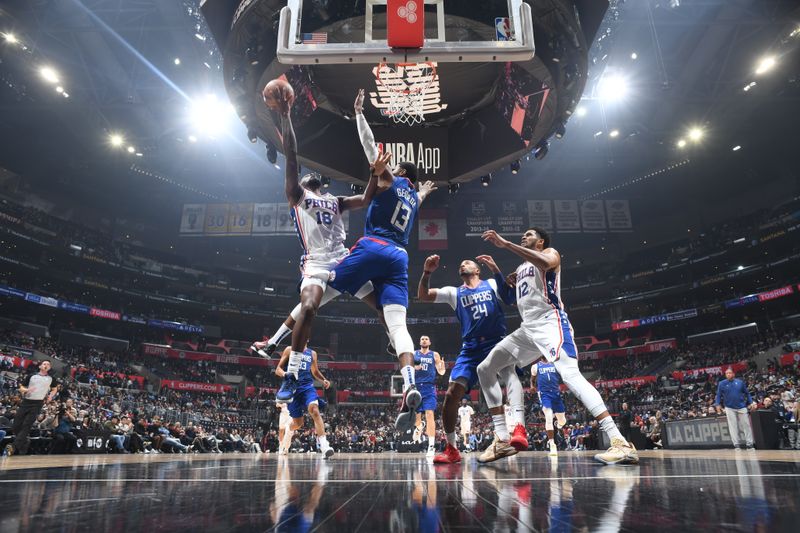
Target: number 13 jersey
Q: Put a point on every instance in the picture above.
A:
(392, 212)
(318, 221)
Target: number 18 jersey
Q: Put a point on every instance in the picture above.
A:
(392, 212)
(318, 221)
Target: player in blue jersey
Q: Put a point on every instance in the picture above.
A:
(305, 399)
(293, 509)
(380, 257)
(544, 377)
(483, 325)
(427, 365)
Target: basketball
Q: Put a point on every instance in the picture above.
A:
(276, 91)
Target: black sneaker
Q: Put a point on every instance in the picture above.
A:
(407, 417)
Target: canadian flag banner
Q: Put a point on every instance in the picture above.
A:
(432, 229)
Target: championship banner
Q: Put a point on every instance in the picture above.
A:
(240, 219)
(265, 218)
(193, 219)
(284, 223)
(616, 383)
(507, 218)
(540, 214)
(433, 229)
(709, 370)
(593, 216)
(567, 218)
(619, 215)
(195, 386)
(790, 359)
(216, 222)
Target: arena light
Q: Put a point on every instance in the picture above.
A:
(613, 133)
(580, 111)
(681, 143)
(634, 56)
(59, 89)
(541, 150)
(252, 135)
(737, 148)
(326, 181)
(766, 64)
(116, 140)
(515, 166)
(357, 189)
(49, 74)
(453, 188)
(10, 38)
(192, 139)
(749, 86)
(486, 180)
(695, 134)
(209, 115)
(131, 149)
(612, 88)
(177, 60)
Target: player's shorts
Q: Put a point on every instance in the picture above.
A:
(304, 396)
(428, 392)
(465, 370)
(317, 269)
(549, 336)
(466, 428)
(552, 401)
(383, 263)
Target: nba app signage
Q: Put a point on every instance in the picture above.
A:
(425, 147)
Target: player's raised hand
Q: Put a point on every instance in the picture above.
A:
(358, 105)
(380, 164)
(427, 187)
(511, 279)
(489, 262)
(431, 263)
(495, 238)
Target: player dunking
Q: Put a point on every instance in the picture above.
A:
(305, 399)
(427, 364)
(483, 324)
(380, 257)
(544, 377)
(318, 220)
(545, 331)
(266, 349)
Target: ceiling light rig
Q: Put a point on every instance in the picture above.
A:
(638, 179)
(766, 64)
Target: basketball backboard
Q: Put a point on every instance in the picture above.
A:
(486, 31)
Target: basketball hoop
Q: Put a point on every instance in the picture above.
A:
(405, 86)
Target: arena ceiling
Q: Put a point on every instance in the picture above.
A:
(116, 59)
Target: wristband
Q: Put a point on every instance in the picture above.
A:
(427, 272)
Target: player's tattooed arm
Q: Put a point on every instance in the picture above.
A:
(439, 362)
(548, 259)
(280, 369)
(294, 192)
(425, 189)
(424, 291)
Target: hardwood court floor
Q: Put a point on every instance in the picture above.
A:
(671, 490)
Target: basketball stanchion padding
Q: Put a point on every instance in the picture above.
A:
(405, 23)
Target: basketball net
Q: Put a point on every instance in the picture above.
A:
(406, 85)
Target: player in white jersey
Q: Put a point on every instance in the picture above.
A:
(318, 220)
(283, 424)
(465, 413)
(545, 332)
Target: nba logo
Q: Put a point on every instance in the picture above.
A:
(502, 26)
(405, 24)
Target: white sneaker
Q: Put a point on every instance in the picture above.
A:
(283, 451)
(327, 452)
(620, 452)
(417, 434)
(431, 452)
(553, 449)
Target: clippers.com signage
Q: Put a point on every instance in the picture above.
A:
(194, 386)
(426, 148)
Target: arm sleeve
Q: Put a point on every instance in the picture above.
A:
(446, 295)
(367, 138)
(503, 291)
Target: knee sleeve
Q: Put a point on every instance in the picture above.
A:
(365, 290)
(395, 316)
(548, 419)
(295, 314)
(567, 367)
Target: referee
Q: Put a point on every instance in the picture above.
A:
(34, 389)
